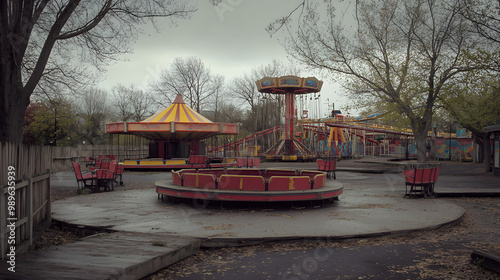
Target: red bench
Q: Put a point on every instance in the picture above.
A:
(420, 179)
(85, 180)
(327, 166)
(89, 161)
(117, 171)
(105, 179)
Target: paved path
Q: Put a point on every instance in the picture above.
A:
(360, 212)
(373, 208)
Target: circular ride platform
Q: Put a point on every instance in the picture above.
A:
(249, 185)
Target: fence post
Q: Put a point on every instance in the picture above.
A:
(49, 204)
(29, 211)
(3, 220)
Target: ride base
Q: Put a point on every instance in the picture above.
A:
(249, 185)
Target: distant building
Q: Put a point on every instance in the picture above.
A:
(495, 130)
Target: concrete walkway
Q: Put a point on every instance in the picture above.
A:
(359, 213)
(153, 234)
(119, 255)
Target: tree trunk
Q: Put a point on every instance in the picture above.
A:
(420, 143)
(14, 102)
(12, 122)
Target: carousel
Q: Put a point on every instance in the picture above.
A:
(175, 136)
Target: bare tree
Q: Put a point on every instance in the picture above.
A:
(217, 96)
(404, 53)
(39, 38)
(121, 103)
(485, 17)
(188, 77)
(93, 112)
(132, 104)
(264, 109)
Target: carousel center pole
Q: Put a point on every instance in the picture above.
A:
(289, 114)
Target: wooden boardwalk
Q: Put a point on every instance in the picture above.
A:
(119, 255)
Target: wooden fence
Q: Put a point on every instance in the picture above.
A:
(24, 194)
(25, 184)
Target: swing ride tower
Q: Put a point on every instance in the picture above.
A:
(289, 149)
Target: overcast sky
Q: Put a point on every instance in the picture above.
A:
(229, 38)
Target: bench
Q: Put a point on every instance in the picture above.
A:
(117, 171)
(89, 161)
(85, 180)
(105, 179)
(327, 166)
(420, 179)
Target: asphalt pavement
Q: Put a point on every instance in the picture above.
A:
(371, 233)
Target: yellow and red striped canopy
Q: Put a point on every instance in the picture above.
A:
(178, 112)
(177, 122)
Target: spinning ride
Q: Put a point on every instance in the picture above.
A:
(250, 185)
(289, 149)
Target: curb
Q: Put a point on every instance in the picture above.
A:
(487, 260)
(467, 194)
(240, 242)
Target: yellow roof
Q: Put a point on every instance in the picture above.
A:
(178, 112)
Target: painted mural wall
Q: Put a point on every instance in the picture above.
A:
(454, 148)
(458, 148)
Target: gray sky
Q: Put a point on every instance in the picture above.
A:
(229, 38)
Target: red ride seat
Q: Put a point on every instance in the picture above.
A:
(289, 183)
(242, 182)
(205, 181)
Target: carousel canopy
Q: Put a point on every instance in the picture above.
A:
(177, 122)
(178, 112)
